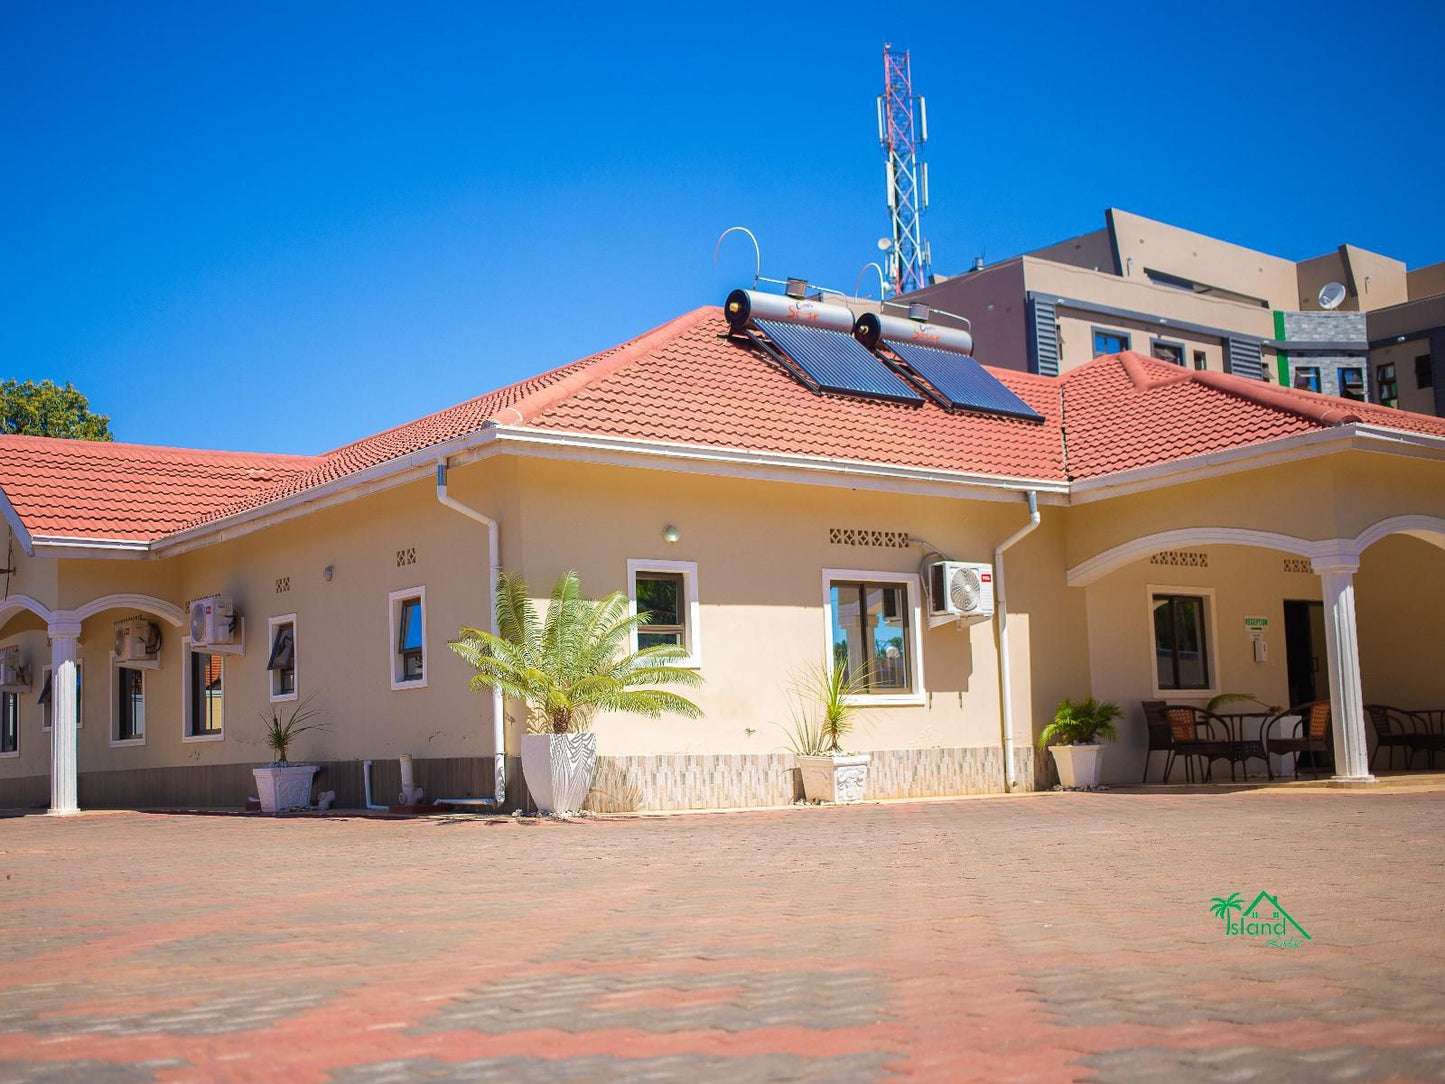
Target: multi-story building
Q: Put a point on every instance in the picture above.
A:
(1351, 322)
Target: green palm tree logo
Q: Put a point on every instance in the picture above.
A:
(1221, 907)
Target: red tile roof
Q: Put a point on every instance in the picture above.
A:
(128, 492)
(687, 383)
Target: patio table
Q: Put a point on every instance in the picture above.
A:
(1244, 735)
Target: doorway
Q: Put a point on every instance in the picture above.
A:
(1304, 647)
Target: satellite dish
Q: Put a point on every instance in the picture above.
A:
(884, 244)
(1332, 294)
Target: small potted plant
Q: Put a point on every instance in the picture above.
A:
(823, 710)
(281, 784)
(566, 667)
(1074, 738)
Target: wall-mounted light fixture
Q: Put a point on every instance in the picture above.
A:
(328, 572)
(671, 533)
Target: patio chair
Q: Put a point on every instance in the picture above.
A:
(1161, 738)
(1396, 728)
(1311, 734)
(1185, 722)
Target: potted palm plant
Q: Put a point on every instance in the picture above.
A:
(281, 784)
(1074, 738)
(823, 710)
(567, 667)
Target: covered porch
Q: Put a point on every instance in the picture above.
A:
(1259, 653)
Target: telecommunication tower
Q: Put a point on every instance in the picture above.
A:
(903, 130)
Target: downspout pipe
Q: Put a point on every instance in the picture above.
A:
(494, 568)
(1000, 609)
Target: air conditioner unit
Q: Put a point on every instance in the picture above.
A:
(137, 640)
(959, 591)
(213, 621)
(14, 674)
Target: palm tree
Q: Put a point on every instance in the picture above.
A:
(1221, 907)
(573, 663)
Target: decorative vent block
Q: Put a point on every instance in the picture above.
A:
(283, 585)
(406, 557)
(1180, 559)
(861, 536)
(1298, 564)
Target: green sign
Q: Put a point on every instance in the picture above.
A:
(1256, 624)
(1262, 918)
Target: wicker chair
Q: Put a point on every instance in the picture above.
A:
(1184, 730)
(1161, 738)
(1397, 729)
(1311, 734)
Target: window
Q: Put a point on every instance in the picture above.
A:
(130, 705)
(205, 696)
(1173, 353)
(1307, 378)
(281, 664)
(1387, 386)
(1109, 342)
(408, 638)
(667, 591)
(1181, 646)
(1200, 361)
(1424, 374)
(1352, 384)
(874, 633)
(45, 695)
(9, 724)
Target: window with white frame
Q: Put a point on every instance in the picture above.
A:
(46, 695)
(874, 632)
(408, 638)
(666, 591)
(281, 663)
(1182, 629)
(205, 694)
(130, 704)
(9, 724)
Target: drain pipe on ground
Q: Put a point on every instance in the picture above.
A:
(494, 568)
(1000, 606)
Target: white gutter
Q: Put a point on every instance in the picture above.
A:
(494, 568)
(1000, 606)
(366, 778)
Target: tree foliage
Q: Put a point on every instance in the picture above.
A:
(573, 662)
(48, 410)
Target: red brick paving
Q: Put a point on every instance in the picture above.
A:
(1051, 938)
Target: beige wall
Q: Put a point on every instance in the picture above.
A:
(1092, 251)
(760, 551)
(1426, 281)
(1144, 243)
(1379, 279)
(1335, 496)
(1403, 355)
(1400, 607)
(1076, 339)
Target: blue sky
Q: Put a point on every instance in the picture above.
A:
(285, 227)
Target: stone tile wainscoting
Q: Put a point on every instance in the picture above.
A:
(723, 781)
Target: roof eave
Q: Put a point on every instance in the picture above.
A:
(1354, 436)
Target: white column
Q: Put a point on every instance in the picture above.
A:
(64, 717)
(1342, 646)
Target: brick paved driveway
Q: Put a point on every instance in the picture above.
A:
(1048, 938)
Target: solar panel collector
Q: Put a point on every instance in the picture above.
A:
(837, 362)
(962, 382)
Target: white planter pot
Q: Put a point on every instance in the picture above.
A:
(284, 788)
(1079, 765)
(559, 769)
(834, 779)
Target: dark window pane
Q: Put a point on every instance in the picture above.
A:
(1181, 650)
(1170, 352)
(131, 708)
(1110, 342)
(9, 723)
(1307, 379)
(1164, 642)
(1424, 374)
(1352, 384)
(646, 638)
(207, 693)
(661, 597)
(409, 635)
